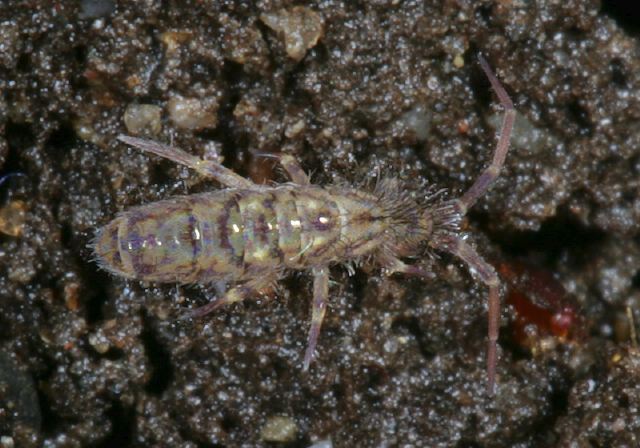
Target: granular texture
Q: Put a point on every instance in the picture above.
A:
(366, 87)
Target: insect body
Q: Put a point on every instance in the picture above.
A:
(251, 234)
(237, 234)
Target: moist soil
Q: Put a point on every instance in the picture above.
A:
(351, 89)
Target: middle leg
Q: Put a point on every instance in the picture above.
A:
(291, 166)
(319, 307)
(293, 169)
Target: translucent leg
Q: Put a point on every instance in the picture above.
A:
(233, 295)
(205, 167)
(484, 181)
(485, 272)
(394, 265)
(319, 307)
(291, 166)
(293, 169)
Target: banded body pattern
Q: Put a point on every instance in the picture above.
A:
(235, 234)
(249, 234)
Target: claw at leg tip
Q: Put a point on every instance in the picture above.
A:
(491, 389)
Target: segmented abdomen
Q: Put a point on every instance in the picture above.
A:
(227, 234)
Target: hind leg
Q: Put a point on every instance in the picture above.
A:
(319, 307)
(206, 168)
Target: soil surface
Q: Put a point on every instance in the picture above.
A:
(351, 89)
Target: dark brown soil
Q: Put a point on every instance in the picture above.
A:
(88, 359)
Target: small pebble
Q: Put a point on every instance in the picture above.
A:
(193, 113)
(279, 429)
(300, 26)
(143, 119)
